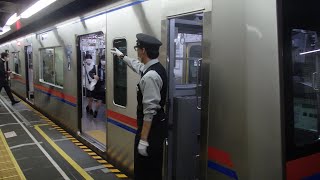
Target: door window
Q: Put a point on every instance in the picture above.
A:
(305, 77)
(16, 63)
(120, 74)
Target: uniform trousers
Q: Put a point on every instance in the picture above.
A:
(5, 85)
(150, 167)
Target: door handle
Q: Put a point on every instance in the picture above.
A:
(314, 83)
(165, 159)
(199, 61)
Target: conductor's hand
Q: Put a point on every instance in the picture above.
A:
(142, 147)
(96, 77)
(116, 51)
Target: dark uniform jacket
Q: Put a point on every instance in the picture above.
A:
(3, 73)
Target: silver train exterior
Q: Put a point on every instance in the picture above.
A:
(240, 124)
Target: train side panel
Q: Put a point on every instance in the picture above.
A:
(263, 90)
(54, 100)
(244, 106)
(126, 23)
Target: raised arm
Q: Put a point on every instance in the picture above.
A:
(134, 64)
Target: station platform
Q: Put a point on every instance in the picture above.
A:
(33, 147)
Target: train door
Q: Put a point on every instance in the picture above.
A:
(185, 87)
(93, 98)
(29, 74)
(301, 89)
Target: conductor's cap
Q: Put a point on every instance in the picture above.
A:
(148, 42)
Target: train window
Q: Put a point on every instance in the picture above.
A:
(120, 74)
(188, 56)
(195, 54)
(52, 66)
(58, 60)
(16, 63)
(306, 85)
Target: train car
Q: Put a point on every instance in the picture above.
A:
(243, 84)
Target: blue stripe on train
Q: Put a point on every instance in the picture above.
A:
(130, 129)
(313, 177)
(223, 170)
(115, 9)
(58, 98)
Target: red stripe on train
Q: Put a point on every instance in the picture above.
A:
(303, 167)
(122, 118)
(18, 78)
(219, 156)
(50, 91)
(57, 93)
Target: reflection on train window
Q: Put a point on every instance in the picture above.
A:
(52, 65)
(306, 78)
(120, 74)
(16, 63)
(188, 58)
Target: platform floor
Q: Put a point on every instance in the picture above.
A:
(33, 147)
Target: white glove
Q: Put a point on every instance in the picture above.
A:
(116, 51)
(142, 147)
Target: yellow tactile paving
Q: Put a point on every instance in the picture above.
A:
(96, 157)
(108, 165)
(92, 154)
(114, 170)
(63, 154)
(99, 135)
(121, 176)
(102, 161)
(9, 168)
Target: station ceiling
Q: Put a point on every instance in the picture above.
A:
(59, 11)
(9, 7)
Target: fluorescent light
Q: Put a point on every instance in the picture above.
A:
(5, 30)
(309, 52)
(14, 18)
(41, 4)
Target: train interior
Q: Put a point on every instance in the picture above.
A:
(29, 73)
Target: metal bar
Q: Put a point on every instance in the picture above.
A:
(198, 83)
(314, 84)
(165, 160)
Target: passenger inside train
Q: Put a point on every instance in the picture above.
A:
(99, 92)
(88, 76)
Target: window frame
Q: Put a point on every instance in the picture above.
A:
(13, 68)
(41, 65)
(293, 151)
(114, 77)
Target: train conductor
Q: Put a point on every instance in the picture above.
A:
(151, 97)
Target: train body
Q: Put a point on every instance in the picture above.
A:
(227, 102)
